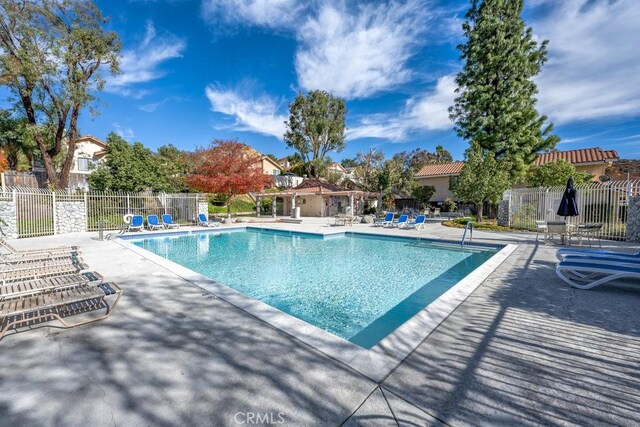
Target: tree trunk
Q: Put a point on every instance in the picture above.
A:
(479, 210)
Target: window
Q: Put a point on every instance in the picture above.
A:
(83, 164)
(276, 172)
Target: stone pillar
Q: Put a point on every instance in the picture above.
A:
(71, 215)
(273, 207)
(258, 206)
(9, 216)
(293, 204)
(353, 210)
(633, 219)
(504, 213)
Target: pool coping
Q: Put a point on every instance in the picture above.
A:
(375, 363)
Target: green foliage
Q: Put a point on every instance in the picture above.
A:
(423, 194)
(131, 168)
(449, 205)
(484, 225)
(16, 142)
(557, 174)
(176, 166)
(349, 163)
(237, 204)
(415, 160)
(315, 127)
(369, 165)
(481, 179)
(495, 106)
(51, 55)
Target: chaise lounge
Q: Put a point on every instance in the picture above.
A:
(153, 223)
(203, 221)
(587, 274)
(167, 221)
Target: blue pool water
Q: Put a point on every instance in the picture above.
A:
(358, 287)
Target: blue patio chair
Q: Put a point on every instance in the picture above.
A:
(153, 224)
(380, 222)
(418, 223)
(401, 222)
(203, 221)
(167, 221)
(136, 223)
(565, 254)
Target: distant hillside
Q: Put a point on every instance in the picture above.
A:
(620, 169)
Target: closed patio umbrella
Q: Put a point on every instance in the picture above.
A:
(568, 205)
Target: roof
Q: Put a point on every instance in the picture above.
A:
(92, 139)
(577, 157)
(273, 162)
(317, 185)
(441, 169)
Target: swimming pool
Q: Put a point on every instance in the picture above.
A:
(359, 287)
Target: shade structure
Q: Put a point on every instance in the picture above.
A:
(568, 205)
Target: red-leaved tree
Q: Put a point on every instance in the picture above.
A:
(228, 169)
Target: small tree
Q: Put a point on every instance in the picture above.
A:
(315, 127)
(556, 174)
(228, 169)
(423, 194)
(481, 179)
(51, 55)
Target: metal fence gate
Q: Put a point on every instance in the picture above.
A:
(602, 203)
(35, 214)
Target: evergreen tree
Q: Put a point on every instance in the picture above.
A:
(495, 106)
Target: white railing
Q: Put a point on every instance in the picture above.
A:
(31, 212)
(601, 203)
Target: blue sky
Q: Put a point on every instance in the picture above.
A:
(195, 70)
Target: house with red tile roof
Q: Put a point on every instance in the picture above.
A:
(594, 161)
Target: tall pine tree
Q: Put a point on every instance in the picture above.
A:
(495, 106)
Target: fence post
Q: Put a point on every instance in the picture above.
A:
(55, 213)
(86, 211)
(128, 204)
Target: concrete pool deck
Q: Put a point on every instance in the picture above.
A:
(523, 348)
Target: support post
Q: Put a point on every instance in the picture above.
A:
(258, 205)
(273, 206)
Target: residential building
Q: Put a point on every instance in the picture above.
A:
(89, 152)
(594, 161)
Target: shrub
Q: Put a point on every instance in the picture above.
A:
(449, 205)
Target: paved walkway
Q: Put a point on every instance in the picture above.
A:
(522, 349)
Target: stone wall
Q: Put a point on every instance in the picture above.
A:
(71, 216)
(504, 213)
(8, 215)
(633, 219)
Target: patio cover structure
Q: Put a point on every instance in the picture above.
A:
(317, 197)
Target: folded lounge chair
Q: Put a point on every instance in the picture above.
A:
(39, 263)
(58, 304)
(167, 221)
(388, 218)
(564, 254)
(203, 221)
(589, 274)
(153, 224)
(418, 223)
(401, 222)
(26, 258)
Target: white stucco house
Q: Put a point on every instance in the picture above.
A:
(90, 151)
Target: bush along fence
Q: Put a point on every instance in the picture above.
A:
(30, 212)
(614, 204)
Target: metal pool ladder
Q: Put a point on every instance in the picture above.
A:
(468, 227)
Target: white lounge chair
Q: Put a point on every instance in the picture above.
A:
(417, 223)
(589, 274)
(388, 218)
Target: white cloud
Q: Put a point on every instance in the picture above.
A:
(124, 132)
(594, 67)
(428, 112)
(267, 13)
(358, 53)
(251, 114)
(142, 64)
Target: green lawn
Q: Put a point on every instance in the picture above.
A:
(241, 204)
